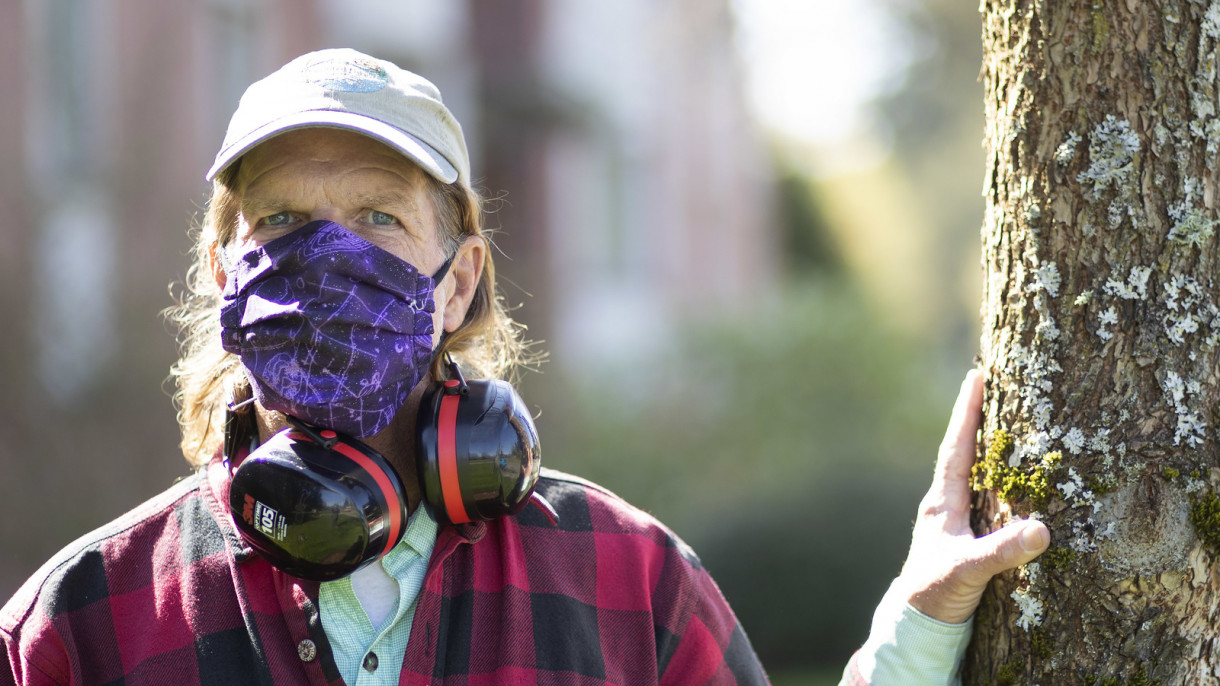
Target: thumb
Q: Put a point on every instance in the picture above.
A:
(1013, 545)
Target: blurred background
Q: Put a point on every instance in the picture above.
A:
(744, 231)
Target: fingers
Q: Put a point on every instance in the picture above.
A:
(957, 451)
(948, 568)
(947, 585)
(1008, 547)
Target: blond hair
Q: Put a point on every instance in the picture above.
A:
(488, 344)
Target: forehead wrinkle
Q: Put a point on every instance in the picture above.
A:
(279, 194)
(249, 174)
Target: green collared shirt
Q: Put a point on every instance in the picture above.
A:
(368, 655)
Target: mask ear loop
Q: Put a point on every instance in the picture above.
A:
(444, 270)
(436, 281)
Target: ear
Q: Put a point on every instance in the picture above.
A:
(466, 272)
(218, 271)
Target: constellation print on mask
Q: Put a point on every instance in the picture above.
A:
(331, 328)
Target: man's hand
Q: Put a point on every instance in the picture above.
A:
(948, 568)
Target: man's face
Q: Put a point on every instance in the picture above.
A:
(344, 177)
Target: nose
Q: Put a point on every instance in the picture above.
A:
(326, 213)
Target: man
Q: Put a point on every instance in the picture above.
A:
(341, 276)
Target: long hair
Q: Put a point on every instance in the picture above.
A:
(488, 344)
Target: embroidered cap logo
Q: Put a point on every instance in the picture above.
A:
(358, 76)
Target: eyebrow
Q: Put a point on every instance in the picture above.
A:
(388, 199)
(392, 199)
(251, 206)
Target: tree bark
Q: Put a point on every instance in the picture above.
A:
(1101, 319)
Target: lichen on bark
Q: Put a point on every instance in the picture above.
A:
(1101, 339)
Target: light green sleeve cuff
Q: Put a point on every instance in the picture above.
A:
(906, 646)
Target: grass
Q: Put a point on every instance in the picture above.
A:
(811, 677)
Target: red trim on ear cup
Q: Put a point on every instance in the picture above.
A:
(383, 482)
(446, 449)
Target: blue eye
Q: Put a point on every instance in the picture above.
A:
(278, 219)
(381, 218)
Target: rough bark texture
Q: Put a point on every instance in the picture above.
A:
(1101, 319)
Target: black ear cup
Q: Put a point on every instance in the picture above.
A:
(316, 504)
(477, 450)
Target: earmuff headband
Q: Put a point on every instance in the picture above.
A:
(446, 447)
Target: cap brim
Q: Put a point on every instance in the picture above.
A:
(411, 147)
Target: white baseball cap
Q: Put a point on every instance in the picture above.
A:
(346, 89)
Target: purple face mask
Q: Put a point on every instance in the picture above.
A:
(331, 328)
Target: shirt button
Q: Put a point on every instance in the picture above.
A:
(370, 661)
(307, 651)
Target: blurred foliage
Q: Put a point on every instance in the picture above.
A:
(940, 98)
(941, 102)
(806, 242)
(789, 445)
(935, 123)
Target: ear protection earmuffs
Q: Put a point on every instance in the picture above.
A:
(476, 449)
(319, 504)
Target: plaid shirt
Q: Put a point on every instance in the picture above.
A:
(169, 594)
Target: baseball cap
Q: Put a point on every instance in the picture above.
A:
(345, 89)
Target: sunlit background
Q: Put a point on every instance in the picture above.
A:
(745, 232)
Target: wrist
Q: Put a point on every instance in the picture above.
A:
(942, 604)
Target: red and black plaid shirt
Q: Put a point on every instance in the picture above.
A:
(169, 594)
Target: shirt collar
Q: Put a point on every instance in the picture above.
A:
(417, 541)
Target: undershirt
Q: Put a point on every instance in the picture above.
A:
(367, 615)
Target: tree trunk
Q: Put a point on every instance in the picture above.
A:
(1100, 331)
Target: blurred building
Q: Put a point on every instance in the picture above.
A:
(631, 194)
(636, 191)
(111, 110)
